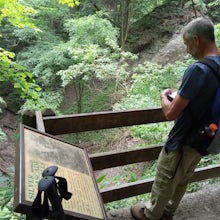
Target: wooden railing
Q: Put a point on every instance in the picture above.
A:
(57, 125)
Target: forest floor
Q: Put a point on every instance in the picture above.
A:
(201, 205)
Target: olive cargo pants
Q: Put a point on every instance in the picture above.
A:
(174, 170)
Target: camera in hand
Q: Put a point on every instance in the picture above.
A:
(171, 96)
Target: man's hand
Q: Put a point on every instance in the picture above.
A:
(164, 94)
(172, 109)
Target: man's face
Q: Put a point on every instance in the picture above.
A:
(191, 46)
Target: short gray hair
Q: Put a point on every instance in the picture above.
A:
(201, 27)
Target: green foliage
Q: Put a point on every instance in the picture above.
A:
(49, 63)
(70, 3)
(94, 98)
(150, 170)
(193, 187)
(148, 82)
(22, 79)
(92, 29)
(6, 195)
(214, 3)
(217, 34)
(92, 61)
(209, 160)
(50, 60)
(204, 7)
(26, 35)
(127, 203)
(15, 39)
(213, 9)
(198, 4)
(77, 61)
(152, 133)
(16, 13)
(32, 56)
(51, 16)
(127, 176)
(101, 61)
(100, 180)
(47, 99)
(47, 54)
(141, 8)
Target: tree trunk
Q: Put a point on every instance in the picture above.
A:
(194, 8)
(125, 16)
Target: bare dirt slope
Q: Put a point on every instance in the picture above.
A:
(9, 125)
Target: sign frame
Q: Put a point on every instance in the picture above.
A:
(21, 203)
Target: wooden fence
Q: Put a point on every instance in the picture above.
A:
(57, 125)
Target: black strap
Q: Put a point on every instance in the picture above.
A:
(213, 65)
(54, 192)
(40, 211)
(62, 188)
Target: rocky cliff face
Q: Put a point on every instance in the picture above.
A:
(155, 29)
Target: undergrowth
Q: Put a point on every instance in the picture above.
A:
(6, 198)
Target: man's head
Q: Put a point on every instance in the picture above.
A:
(196, 33)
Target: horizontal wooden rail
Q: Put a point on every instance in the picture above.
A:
(144, 186)
(126, 190)
(112, 159)
(56, 125)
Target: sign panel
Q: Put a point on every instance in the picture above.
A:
(37, 151)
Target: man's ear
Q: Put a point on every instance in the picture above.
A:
(196, 40)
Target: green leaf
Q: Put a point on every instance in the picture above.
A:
(100, 179)
(70, 3)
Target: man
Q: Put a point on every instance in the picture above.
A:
(177, 160)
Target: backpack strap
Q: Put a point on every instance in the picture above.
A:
(213, 65)
(216, 71)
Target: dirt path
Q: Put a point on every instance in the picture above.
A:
(201, 205)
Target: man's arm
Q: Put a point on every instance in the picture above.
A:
(172, 109)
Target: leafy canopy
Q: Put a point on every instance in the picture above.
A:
(92, 29)
(93, 50)
(22, 79)
(70, 3)
(16, 13)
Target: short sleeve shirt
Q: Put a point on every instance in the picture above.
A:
(198, 85)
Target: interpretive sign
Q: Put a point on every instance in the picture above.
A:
(37, 151)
